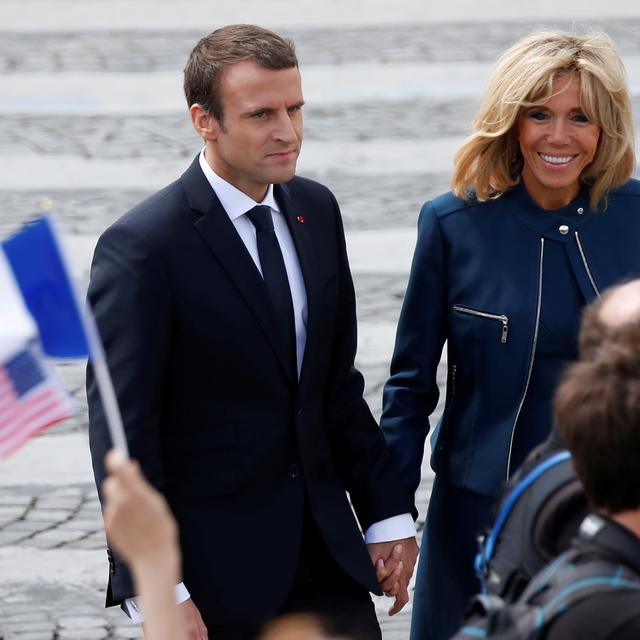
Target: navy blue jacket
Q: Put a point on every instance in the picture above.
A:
(476, 283)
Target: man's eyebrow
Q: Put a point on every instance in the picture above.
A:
(257, 109)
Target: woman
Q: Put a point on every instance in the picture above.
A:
(542, 217)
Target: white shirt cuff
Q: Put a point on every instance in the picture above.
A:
(395, 528)
(133, 607)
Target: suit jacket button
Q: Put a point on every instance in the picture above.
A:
(299, 412)
(294, 472)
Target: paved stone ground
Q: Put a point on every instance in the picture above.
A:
(142, 52)
(52, 561)
(134, 136)
(364, 207)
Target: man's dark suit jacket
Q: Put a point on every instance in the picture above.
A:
(211, 411)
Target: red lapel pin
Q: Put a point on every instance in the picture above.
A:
(300, 219)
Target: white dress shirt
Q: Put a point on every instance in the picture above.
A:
(237, 204)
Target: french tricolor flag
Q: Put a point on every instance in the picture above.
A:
(31, 396)
(41, 314)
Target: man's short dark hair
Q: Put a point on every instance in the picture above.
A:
(227, 46)
(597, 411)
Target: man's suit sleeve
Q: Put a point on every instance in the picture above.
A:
(130, 296)
(364, 464)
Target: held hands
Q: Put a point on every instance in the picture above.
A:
(394, 562)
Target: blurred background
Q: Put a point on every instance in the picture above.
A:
(92, 116)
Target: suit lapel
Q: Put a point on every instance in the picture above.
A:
(294, 213)
(222, 238)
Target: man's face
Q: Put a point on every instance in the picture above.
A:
(258, 141)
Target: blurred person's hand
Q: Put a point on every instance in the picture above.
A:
(141, 527)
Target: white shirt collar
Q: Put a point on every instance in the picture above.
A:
(235, 202)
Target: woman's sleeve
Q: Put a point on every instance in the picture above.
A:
(411, 393)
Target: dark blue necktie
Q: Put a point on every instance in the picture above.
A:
(275, 278)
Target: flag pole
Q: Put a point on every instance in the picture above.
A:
(104, 382)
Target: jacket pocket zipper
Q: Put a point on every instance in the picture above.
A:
(454, 369)
(492, 316)
(452, 393)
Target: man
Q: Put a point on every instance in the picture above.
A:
(597, 410)
(227, 311)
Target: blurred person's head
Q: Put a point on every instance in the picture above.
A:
(297, 627)
(597, 405)
(557, 115)
(618, 306)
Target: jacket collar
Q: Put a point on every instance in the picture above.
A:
(235, 202)
(545, 222)
(608, 534)
(293, 212)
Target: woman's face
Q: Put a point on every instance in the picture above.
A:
(557, 142)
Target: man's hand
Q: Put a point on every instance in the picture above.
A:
(394, 562)
(194, 626)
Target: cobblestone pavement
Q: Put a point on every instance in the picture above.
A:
(367, 202)
(142, 52)
(45, 518)
(52, 560)
(36, 519)
(134, 136)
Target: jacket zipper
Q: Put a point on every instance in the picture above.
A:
(533, 352)
(452, 393)
(586, 265)
(483, 314)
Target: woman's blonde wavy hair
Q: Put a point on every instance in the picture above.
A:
(489, 162)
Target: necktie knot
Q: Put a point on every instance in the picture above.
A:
(261, 218)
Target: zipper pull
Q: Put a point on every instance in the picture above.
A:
(505, 329)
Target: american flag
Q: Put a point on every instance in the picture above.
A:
(31, 399)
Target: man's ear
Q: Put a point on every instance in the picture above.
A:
(204, 123)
